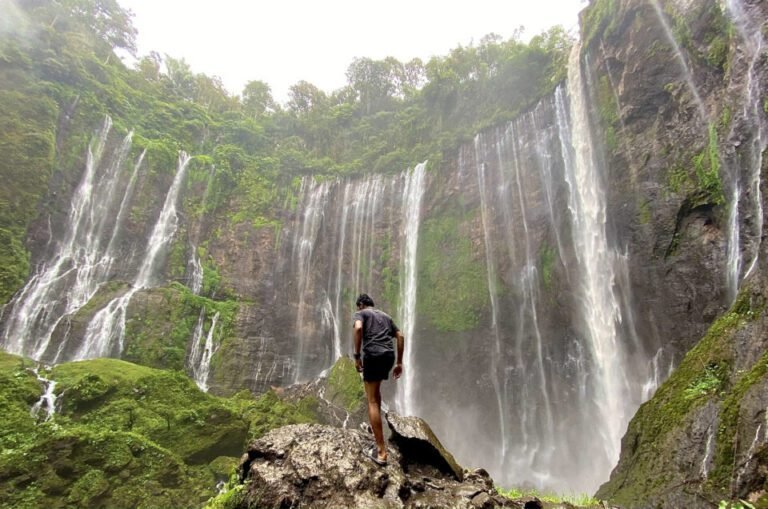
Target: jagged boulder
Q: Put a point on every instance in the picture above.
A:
(312, 465)
(414, 435)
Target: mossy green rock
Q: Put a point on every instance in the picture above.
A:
(124, 435)
(164, 406)
(697, 438)
(345, 388)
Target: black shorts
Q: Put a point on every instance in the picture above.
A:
(377, 367)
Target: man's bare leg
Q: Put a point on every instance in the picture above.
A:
(373, 393)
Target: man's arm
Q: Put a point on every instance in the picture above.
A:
(400, 347)
(357, 334)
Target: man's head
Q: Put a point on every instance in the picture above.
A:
(364, 301)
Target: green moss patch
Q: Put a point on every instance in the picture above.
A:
(453, 286)
(344, 385)
(125, 435)
(706, 374)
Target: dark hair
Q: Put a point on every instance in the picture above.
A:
(365, 300)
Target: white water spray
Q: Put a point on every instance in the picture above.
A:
(687, 75)
(496, 375)
(83, 259)
(47, 401)
(750, 32)
(202, 353)
(411, 215)
(596, 260)
(106, 331)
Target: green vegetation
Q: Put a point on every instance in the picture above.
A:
(161, 321)
(124, 436)
(706, 374)
(707, 188)
(344, 387)
(453, 284)
(741, 504)
(581, 501)
(547, 257)
(608, 110)
(269, 412)
(598, 20)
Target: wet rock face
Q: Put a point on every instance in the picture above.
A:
(310, 465)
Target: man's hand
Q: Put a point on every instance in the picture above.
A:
(359, 365)
(398, 371)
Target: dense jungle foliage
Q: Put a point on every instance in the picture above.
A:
(60, 75)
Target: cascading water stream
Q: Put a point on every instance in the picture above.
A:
(411, 215)
(687, 75)
(497, 378)
(314, 194)
(195, 269)
(81, 262)
(596, 260)
(106, 331)
(47, 401)
(753, 116)
(340, 244)
(199, 362)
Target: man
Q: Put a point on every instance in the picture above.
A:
(374, 334)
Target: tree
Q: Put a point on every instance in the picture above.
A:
(181, 77)
(304, 97)
(257, 98)
(110, 22)
(375, 81)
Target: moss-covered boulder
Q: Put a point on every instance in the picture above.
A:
(124, 435)
(164, 406)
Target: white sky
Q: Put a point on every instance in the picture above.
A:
(284, 41)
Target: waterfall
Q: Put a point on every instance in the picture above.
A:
(199, 361)
(313, 196)
(106, 331)
(342, 244)
(83, 258)
(411, 215)
(596, 260)
(48, 400)
(195, 271)
(687, 75)
(754, 119)
(498, 383)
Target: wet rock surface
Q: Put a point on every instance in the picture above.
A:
(312, 465)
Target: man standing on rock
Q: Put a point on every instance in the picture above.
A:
(374, 335)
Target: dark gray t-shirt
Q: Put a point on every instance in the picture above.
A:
(378, 331)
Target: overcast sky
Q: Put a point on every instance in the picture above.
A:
(284, 41)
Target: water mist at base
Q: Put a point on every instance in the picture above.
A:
(541, 391)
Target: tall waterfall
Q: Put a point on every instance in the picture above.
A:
(745, 214)
(83, 258)
(597, 263)
(549, 378)
(344, 242)
(411, 213)
(106, 330)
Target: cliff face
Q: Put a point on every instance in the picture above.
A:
(701, 438)
(549, 274)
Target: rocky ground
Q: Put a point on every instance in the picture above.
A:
(313, 465)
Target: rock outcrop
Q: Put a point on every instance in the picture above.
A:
(312, 465)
